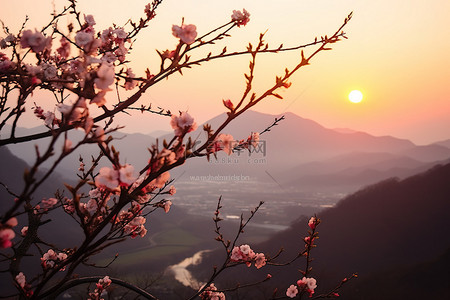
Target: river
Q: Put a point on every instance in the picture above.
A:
(183, 275)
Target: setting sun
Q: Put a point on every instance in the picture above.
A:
(355, 96)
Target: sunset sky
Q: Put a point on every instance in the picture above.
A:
(397, 55)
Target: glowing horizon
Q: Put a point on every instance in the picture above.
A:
(395, 55)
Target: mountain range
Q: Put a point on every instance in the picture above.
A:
(297, 152)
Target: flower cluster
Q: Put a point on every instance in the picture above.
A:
(306, 284)
(50, 259)
(111, 179)
(132, 222)
(22, 282)
(224, 142)
(183, 123)
(186, 33)
(240, 18)
(211, 293)
(6, 233)
(245, 254)
(100, 288)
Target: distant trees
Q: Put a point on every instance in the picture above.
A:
(79, 67)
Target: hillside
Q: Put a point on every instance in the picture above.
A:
(382, 232)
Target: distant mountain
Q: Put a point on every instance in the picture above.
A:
(445, 143)
(344, 130)
(395, 233)
(283, 154)
(133, 148)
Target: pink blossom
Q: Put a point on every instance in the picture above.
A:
(292, 291)
(12, 222)
(226, 142)
(20, 279)
(105, 76)
(83, 38)
(236, 254)
(260, 260)
(160, 181)
(127, 175)
(49, 118)
(183, 123)
(309, 284)
(211, 293)
(51, 258)
(95, 193)
(129, 82)
(89, 19)
(240, 18)
(167, 206)
(107, 178)
(48, 203)
(72, 113)
(100, 98)
(36, 41)
(120, 34)
(312, 223)
(6, 235)
(172, 190)
(24, 230)
(186, 33)
(64, 49)
(91, 206)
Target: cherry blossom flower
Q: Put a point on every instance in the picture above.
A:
(105, 76)
(107, 178)
(226, 142)
(172, 190)
(167, 205)
(129, 82)
(36, 41)
(91, 206)
(20, 279)
(127, 175)
(240, 18)
(6, 235)
(24, 230)
(100, 288)
(51, 258)
(89, 19)
(84, 39)
(12, 222)
(186, 33)
(292, 291)
(64, 49)
(211, 293)
(260, 260)
(183, 123)
(100, 98)
(309, 284)
(48, 203)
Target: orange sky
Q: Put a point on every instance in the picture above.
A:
(397, 55)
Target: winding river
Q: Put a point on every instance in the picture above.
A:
(183, 275)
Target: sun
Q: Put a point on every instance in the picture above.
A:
(355, 96)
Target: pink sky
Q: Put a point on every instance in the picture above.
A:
(397, 55)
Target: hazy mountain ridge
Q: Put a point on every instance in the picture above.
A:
(292, 148)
